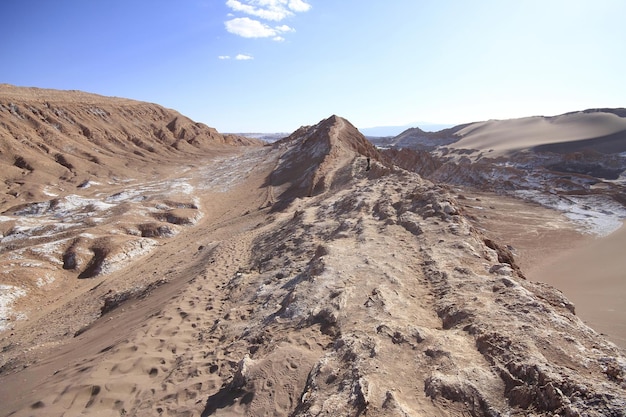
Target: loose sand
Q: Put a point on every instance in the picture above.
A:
(501, 137)
(589, 270)
(593, 276)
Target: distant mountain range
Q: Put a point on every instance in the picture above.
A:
(385, 131)
(371, 132)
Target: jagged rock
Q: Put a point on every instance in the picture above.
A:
(313, 158)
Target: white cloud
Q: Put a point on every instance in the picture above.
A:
(275, 10)
(299, 6)
(267, 10)
(250, 28)
(269, 13)
(243, 57)
(284, 28)
(223, 57)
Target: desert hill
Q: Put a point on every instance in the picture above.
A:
(576, 150)
(292, 279)
(72, 137)
(314, 158)
(90, 183)
(601, 129)
(606, 130)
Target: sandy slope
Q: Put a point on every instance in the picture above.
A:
(216, 247)
(592, 275)
(502, 137)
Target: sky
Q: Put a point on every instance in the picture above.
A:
(276, 65)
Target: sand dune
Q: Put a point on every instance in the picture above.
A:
(501, 137)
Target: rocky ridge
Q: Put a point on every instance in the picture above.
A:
(315, 283)
(314, 158)
(69, 138)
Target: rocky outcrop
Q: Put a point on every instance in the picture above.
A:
(413, 312)
(421, 162)
(317, 158)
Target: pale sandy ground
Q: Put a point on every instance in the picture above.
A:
(591, 271)
(222, 336)
(133, 353)
(308, 286)
(593, 276)
(500, 137)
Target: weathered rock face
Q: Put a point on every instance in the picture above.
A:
(316, 158)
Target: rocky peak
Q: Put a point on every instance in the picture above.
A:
(318, 157)
(334, 131)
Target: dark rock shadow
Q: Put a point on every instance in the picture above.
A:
(226, 397)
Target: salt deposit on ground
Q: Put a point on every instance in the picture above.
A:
(8, 295)
(595, 214)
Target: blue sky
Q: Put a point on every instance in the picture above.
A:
(274, 65)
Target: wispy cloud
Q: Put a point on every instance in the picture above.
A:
(274, 10)
(250, 28)
(238, 57)
(284, 28)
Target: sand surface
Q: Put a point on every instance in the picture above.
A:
(121, 354)
(550, 248)
(266, 312)
(501, 137)
(593, 276)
